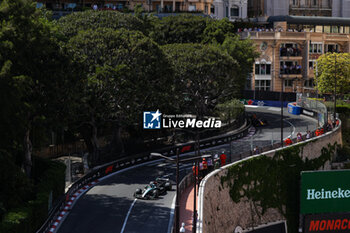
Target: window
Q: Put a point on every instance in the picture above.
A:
(226, 11)
(331, 48)
(206, 9)
(289, 49)
(314, 2)
(262, 69)
(234, 11)
(192, 8)
(311, 65)
(290, 67)
(263, 85)
(309, 83)
(315, 48)
(212, 9)
(288, 83)
(335, 29)
(319, 28)
(295, 2)
(327, 29)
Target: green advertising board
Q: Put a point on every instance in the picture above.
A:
(325, 192)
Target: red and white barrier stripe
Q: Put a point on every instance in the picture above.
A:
(70, 203)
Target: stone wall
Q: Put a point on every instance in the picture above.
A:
(221, 214)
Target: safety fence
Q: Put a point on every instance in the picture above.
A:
(109, 168)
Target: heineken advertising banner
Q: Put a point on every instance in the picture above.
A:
(325, 192)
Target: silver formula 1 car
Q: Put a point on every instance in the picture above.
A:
(155, 188)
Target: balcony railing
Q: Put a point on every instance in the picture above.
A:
(290, 52)
(290, 70)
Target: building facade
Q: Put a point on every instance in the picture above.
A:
(341, 8)
(310, 7)
(148, 5)
(334, 8)
(288, 56)
(232, 9)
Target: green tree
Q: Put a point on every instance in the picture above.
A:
(34, 72)
(71, 24)
(333, 68)
(182, 28)
(204, 76)
(230, 110)
(244, 52)
(126, 73)
(216, 31)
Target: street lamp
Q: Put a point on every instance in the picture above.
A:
(177, 205)
(335, 88)
(281, 99)
(177, 214)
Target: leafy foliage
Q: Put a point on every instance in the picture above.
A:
(182, 28)
(244, 52)
(230, 110)
(27, 217)
(333, 68)
(216, 31)
(204, 76)
(16, 187)
(73, 23)
(126, 73)
(33, 71)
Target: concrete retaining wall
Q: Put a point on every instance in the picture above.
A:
(217, 211)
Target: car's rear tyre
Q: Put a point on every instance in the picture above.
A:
(168, 186)
(154, 193)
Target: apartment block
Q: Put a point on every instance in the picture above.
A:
(289, 50)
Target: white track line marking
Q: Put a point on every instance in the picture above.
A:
(171, 220)
(292, 131)
(127, 216)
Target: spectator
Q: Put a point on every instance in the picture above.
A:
(308, 134)
(200, 170)
(317, 132)
(195, 170)
(288, 142)
(210, 164)
(329, 127)
(205, 167)
(217, 164)
(223, 159)
(256, 151)
(299, 137)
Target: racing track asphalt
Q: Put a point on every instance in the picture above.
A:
(105, 206)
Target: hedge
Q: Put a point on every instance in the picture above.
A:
(32, 214)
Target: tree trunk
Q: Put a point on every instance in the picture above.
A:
(117, 145)
(27, 153)
(89, 133)
(94, 142)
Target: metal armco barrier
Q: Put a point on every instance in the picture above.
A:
(130, 161)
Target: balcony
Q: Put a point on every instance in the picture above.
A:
(290, 52)
(291, 72)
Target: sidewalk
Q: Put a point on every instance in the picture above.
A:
(186, 208)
